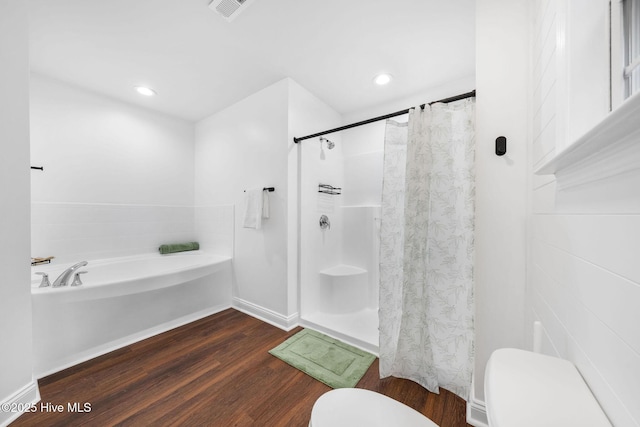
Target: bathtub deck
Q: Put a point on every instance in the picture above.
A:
(215, 371)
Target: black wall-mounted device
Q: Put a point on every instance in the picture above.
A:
(501, 146)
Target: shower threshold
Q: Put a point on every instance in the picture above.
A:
(359, 329)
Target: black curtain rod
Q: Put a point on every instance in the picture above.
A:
(471, 94)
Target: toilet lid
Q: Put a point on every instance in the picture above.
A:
(350, 407)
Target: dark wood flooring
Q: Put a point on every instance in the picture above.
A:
(212, 372)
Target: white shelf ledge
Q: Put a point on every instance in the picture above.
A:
(342, 270)
(611, 148)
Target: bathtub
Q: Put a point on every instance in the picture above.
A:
(121, 301)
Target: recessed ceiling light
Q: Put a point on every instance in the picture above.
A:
(145, 91)
(382, 79)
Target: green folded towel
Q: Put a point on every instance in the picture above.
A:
(179, 247)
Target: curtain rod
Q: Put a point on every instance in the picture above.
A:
(471, 94)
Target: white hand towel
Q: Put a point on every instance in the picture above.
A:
(253, 209)
(265, 204)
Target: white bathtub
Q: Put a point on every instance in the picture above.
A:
(121, 301)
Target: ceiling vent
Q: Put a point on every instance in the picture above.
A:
(229, 9)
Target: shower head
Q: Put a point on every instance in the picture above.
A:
(330, 144)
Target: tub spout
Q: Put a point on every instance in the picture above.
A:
(64, 277)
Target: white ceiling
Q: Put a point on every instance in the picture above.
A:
(199, 63)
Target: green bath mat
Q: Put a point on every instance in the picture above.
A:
(333, 362)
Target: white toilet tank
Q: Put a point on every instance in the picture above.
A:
(525, 389)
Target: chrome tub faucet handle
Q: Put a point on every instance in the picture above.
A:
(76, 279)
(45, 279)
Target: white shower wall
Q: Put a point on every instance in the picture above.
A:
(363, 165)
(319, 249)
(339, 265)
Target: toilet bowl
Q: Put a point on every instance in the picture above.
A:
(348, 407)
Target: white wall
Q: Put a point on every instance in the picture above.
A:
(16, 382)
(584, 271)
(117, 179)
(250, 145)
(242, 147)
(501, 192)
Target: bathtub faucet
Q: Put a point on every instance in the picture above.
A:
(64, 277)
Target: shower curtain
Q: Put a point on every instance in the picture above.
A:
(426, 248)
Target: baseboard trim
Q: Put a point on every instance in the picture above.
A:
(22, 399)
(271, 317)
(476, 411)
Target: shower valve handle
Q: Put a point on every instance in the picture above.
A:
(324, 222)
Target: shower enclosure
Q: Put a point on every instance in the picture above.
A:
(341, 186)
(341, 191)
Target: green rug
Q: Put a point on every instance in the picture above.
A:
(333, 362)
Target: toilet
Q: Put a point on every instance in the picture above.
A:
(526, 389)
(348, 407)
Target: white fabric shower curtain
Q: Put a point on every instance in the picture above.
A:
(426, 248)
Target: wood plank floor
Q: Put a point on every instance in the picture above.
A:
(212, 372)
